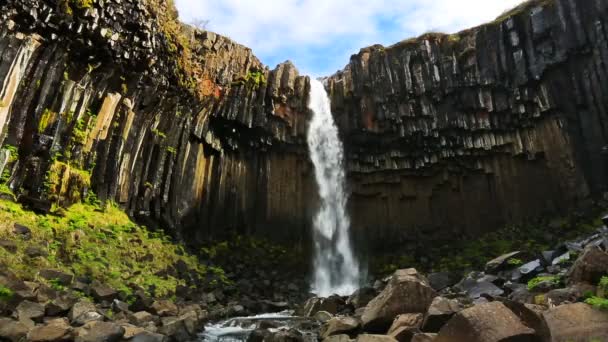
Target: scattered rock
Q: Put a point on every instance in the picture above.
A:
(338, 338)
(30, 310)
(424, 337)
(164, 308)
(147, 336)
(59, 305)
(61, 277)
(500, 263)
(103, 292)
(375, 338)
(175, 328)
(576, 322)
(83, 312)
(339, 325)
(12, 330)
(361, 297)
(142, 317)
(439, 313)
(485, 323)
(407, 292)
(589, 267)
(323, 316)
(131, 330)
(9, 245)
(24, 232)
(35, 252)
(99, 332)
(405, 326)
(55, 330)
(440, 280)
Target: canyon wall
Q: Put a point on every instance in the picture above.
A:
(445, 135)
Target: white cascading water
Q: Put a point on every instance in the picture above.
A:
(336, 269)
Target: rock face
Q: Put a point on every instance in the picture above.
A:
(505, 119)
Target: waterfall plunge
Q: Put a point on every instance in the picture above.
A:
(336, 270)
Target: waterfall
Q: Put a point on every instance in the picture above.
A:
(336, 271)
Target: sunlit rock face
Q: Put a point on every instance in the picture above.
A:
(443, 135)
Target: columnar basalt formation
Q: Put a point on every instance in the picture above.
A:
(456, 134)
(444, 134)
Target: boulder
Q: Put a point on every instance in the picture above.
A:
(439, 313)
(141, 318)
(30, 310)
(339, 325)
(576, 322)
(147, 336)
(375, 338)
(405, 326)
(59, 305)
(424, 337)
(11, 330)
(406, 292)
(131, 330)
(489, 322)
(99, 332)
(164, 308)
(361, 297)
(290, 335)
(440, 280)
(175, 328)
(589, 267)
(103, 292)
(82, 312)
(501, 262)
(323, 316)
(338, 338)
(55, 330)
(56, 275)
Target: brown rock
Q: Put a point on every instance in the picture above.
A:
(101, 292)
(141, 318)
(339, 325)
(337, 338)
(405, 326)
(165, 308)
(489, 322)
(375, 338)
(576, 322)
(99, 332)
(424, 337)
(439, 313)
(407, 292)
(30, 310)
(55, 330)
(12, 330)
(589, 267)
(61, 277)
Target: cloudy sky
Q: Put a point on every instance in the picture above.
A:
(320, 35)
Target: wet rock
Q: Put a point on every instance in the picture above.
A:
(55, 275)
(374, 338)
(501, 262)
(576, 322)
(99, 332)
(405, 326)
(164, 308)
(439, 313)
(407, 292)
(485, 323)
(361, 297)
(55, 330)
(340, 325)
(30, 310)
(589, 267)
(103, 292)
(11, 330)
(323, 316)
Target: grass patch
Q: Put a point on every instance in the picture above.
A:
(534, 282)
(97, 243)
(5, 293)
(598, 303)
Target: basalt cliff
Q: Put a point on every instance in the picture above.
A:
(445, 135)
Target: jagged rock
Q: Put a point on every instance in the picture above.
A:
(11, 330)
(424, 337)
(101, 292)
(99, 332)
(440, 280)
(589, 267)
(500, 262)
(361, 297)
(323, 316)
(120, 306)
(55, 275)
(131, 330)
(59, 305)
(374, 338)
(83, 312)
(149, 337)
(485, 323)
(142, 317)
(175, 328)
(407, 292)
(339, 325)
(30, 310)
(576, 322)
(476, 285)
(405, 326)
(439, 313)
(55, 330)
(164, 308)
(338, 338)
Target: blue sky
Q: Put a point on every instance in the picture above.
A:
(320, 35)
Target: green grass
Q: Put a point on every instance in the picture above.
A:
(598, 303)
(515, 262)
(533, 283)
(5, 293)
(97, 243)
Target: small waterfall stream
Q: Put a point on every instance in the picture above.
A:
(336, 269)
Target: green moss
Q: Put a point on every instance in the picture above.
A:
(533, 283)
(598, 302)
(171, 150)
(82, 4)
(158, 133)
(253, 79)
(515, 262)
(64, 182)
(5, 293)
(46, 117)
(124, 88)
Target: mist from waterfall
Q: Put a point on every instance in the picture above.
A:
(336, 271)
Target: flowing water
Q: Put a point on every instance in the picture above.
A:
(336, 271)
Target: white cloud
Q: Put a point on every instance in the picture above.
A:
(303, 29)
